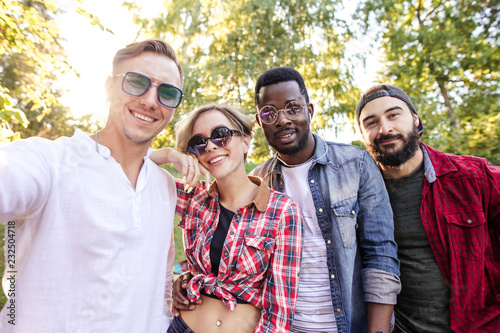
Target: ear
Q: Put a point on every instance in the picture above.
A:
(257, 118)
(310, 111)
(107, 86)
(415, 118)
(246, 143)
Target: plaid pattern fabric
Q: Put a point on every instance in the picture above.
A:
(261, 255)
(461, 215)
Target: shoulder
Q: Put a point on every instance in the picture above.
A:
(262, 169)
(339, 154)
(458, 165)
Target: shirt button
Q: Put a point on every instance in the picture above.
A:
(320, 210)
(353, 212)
(231, 232)
(328, 242)
(469, 221)
(338, 310)
(332, 276)
(312, 181)
(226, 253)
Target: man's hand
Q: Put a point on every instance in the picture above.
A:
(179, 297)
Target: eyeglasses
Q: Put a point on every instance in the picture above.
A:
(221, 136)
(268, 114)
(137, 84)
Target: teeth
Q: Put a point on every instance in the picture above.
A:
(140, 116)
(217, 159)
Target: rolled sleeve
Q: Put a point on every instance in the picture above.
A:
(380, 286)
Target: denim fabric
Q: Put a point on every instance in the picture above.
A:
(179, 326)
(355, 217)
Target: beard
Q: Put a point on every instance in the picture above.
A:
(294, 149)
(396, 157)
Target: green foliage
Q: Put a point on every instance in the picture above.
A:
(225, 45)
(444, 54)
(32, 59)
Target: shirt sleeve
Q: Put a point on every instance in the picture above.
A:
(169, 277)
(281, 285)
(25, 177)
(380, 273)
(182, 198)
(493, 178)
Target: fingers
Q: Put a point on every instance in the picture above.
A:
(206, 174)
(190, 172)
(180, 300)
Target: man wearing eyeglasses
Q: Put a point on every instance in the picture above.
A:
(349, 277)
(89, 218)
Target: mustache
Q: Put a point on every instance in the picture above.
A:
(388, 137)
(284, 129)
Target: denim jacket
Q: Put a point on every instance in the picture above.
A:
(355, 217)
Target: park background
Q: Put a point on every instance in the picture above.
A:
(55, 56)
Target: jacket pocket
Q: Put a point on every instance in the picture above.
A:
(254, 257)
(466, 231)
(346, 213)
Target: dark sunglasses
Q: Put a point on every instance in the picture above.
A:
(268, 114)
(137, 84)
(221, 136)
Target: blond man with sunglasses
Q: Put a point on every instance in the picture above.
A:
(89, 218)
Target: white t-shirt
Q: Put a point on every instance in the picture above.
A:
(314, 311)
(92, 254)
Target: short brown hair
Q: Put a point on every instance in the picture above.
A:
(150, 45)
(184, 128)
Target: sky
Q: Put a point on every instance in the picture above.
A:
(90, 51)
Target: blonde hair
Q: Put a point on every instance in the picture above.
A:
(150, 45)
(184, 128)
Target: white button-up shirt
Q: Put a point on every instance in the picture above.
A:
(90, 251)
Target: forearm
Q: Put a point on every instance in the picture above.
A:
(161, 156)
(379, 317)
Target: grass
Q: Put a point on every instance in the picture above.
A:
(179, 250)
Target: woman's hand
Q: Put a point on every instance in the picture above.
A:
(189, 167)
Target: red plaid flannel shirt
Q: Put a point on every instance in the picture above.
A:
(260, 260)
(461, 215)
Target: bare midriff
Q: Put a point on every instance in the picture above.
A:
(212, 316)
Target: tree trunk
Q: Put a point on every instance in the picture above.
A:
(455, 123)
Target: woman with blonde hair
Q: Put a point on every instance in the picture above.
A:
(242, 240)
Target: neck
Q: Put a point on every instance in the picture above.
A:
(404, 169)
(128, 154)
(236, 191)
(302, 156)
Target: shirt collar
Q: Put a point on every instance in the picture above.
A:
(430, 173)
(261, 198)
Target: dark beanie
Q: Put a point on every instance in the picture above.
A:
(391, 91)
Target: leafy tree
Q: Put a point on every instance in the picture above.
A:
(445, 55)
(225, 45)
(31, 60)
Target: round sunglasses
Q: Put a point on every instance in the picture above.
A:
(268, 114)
(221, 137)
(137, 84)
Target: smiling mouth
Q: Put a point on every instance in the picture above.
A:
(142, 117)
(217, 159)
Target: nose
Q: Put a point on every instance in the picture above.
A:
(150, 97)
(210, 146)
(385, 127)
(282, 119)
